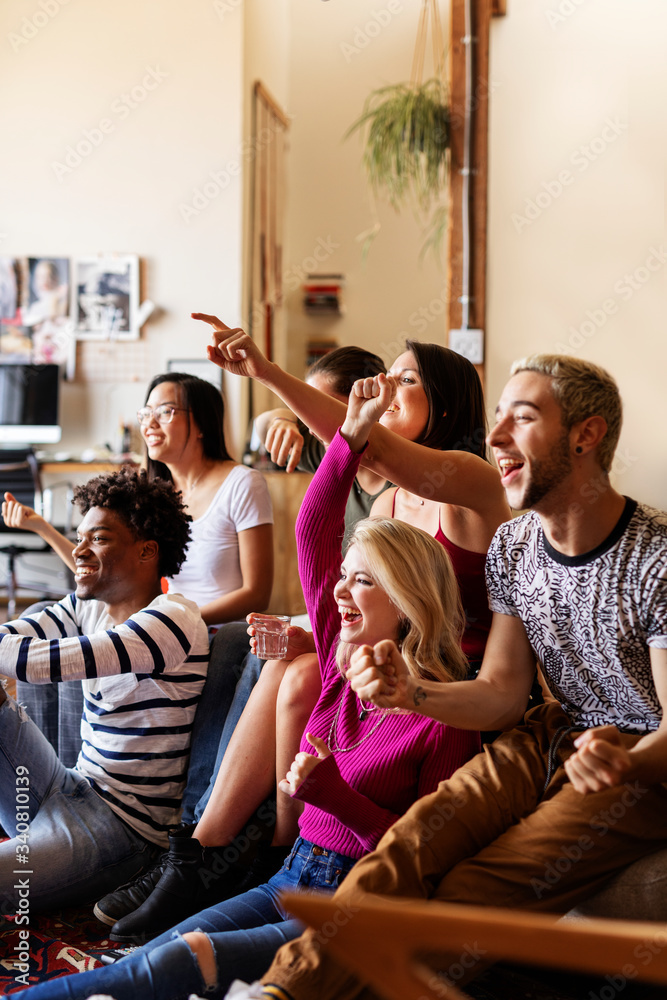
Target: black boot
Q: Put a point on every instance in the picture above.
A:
(129, 896)
(193, 878)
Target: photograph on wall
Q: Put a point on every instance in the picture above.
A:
(46, 295)
(15, 338)
(9, 289)
(105, 297)
(46, 305)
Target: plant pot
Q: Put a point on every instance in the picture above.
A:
(406, 144)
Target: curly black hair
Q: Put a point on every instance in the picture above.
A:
(152, 511)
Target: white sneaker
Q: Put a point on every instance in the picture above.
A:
(242, 991)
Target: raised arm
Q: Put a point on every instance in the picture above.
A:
(453, 477)
(17, 515)
(369, 399)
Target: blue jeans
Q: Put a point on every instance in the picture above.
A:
(78, 849)
(55, 708)
(245, 933)
(232, 673)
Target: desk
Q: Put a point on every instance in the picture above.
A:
(73, 467)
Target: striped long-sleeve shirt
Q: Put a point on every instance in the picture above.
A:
(142, 680)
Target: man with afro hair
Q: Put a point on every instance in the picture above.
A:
(142, 657)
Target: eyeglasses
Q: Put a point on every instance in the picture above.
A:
(164, 414)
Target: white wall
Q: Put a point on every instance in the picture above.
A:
(128, 194)
(555, 86)
(339, 53)
(579, 98)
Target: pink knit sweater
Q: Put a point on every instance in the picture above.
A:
(352, 798)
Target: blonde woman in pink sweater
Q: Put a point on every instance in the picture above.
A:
(394, 598)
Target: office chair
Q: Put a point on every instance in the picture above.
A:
(19, 474)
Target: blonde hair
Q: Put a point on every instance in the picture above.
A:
(582, 390)
(416, 574)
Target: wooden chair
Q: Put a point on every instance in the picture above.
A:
(391, 943)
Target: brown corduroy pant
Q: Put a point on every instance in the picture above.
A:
(492, 835)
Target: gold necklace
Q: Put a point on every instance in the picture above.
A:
(331, 738)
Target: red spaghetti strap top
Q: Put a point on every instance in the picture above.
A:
(469, 571)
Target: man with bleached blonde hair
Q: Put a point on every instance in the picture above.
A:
(576, 790)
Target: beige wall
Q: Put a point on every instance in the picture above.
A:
(339, 53)
(559, 78)
(127, 195)
(579, 99)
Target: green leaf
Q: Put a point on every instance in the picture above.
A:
(406, 155)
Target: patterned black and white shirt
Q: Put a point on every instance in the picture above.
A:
(590, 619)
(141, 681)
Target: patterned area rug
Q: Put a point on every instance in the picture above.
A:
(55, 946)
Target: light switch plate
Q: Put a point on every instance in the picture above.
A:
(469, 343)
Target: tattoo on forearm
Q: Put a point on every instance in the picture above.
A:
(419, 696)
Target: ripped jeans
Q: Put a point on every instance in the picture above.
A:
(245, 933)
(68, 846)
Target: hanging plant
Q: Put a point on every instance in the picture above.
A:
(406, 128)
(406, 143)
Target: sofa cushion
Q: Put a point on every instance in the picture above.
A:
(639, 892)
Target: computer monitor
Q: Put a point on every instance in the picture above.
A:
(29, 404)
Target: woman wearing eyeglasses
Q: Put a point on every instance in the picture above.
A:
(228, 571)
